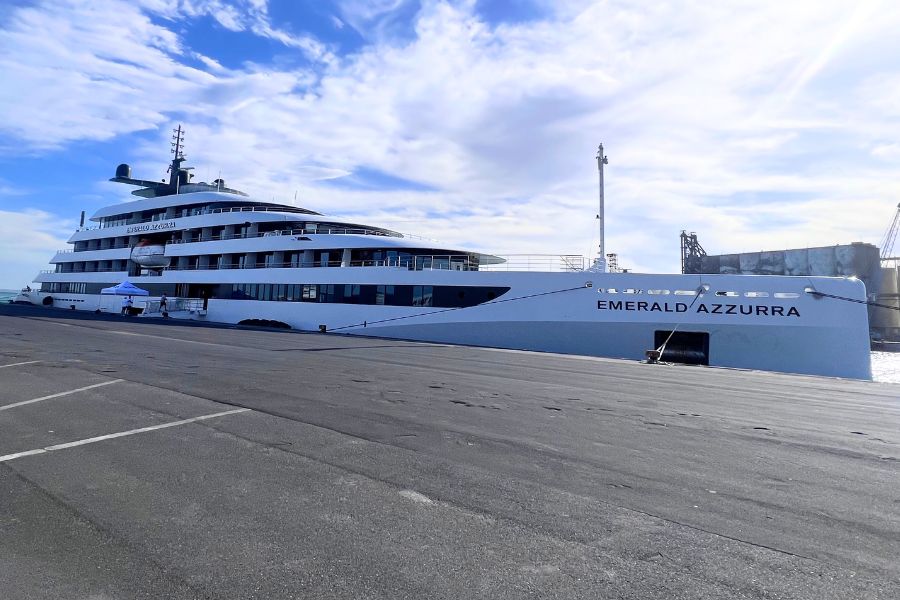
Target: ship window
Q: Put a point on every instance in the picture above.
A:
(351, 294)
(685, 292)
(658, 292)
(786, 295)
(422, 295)
(756, 294)
(384, 294)
(728, 294)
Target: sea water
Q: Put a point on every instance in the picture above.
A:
(885, 365)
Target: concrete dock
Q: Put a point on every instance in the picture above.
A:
(150, 459)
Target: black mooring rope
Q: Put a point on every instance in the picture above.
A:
(866, 302)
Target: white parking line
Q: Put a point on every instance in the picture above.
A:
(116, 435)
(24, 402)
(27, 362)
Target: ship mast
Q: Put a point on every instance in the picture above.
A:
(600, 261)
(175, 169)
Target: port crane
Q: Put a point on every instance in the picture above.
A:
(887, 243)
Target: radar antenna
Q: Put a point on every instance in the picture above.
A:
(177, 141)
(179, 176)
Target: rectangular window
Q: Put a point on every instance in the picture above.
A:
(351, 294)
(326, 293)
(422, 295)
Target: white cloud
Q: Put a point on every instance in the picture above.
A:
(29, 238)
(887, 151)
(249, 15)
(756, 124)
(373, 19)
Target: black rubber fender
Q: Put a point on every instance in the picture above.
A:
(47, 301)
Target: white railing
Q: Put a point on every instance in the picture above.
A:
(538, 262)
(175, 305)
(229, 209)
(299, 232)
(445, 262)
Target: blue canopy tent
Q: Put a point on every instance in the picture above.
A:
(126, 288)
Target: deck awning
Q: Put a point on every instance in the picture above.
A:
(126, 288)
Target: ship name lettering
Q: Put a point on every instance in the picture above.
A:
(678, 307)
(151, 227)
(715, 309)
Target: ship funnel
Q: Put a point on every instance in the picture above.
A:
(123, 171)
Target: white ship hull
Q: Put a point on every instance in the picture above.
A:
(754, 322)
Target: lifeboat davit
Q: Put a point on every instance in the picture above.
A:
(150, 256)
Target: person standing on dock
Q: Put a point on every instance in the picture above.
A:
(127, 303)
(164, 305)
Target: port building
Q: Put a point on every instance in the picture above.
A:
(860, 260)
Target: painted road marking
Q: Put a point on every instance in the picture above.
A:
(90, 387)
(117, 435)
(27, 362)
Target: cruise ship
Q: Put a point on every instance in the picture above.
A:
(220, 255)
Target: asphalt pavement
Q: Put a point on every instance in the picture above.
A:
(144, 458)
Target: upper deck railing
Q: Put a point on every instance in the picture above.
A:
(229, 209)
(194, 212)
(538, 262)
(446, 262)
(304, 232)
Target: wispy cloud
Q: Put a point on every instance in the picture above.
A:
(702, 107)
(26, 237)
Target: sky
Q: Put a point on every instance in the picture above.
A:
(757, 124)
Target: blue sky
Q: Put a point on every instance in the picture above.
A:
(758, 125)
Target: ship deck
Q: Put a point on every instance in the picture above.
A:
(142, 458)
